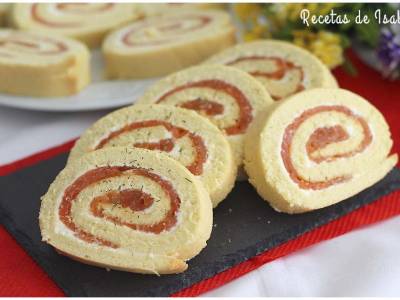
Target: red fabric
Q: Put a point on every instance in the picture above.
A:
(382, 209)
(35, 158)
(382, 93)
(20, 276)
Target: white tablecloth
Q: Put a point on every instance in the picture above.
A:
(365, 262)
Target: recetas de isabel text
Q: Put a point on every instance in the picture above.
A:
(334, 18)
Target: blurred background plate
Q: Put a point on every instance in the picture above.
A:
(100, 94)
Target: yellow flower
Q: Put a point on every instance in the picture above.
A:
(303, 38)
(328, 48)
(291, 11)
(325, 45)
(280, 13)
(247, 11)
(327, 7)
(329, 37)
(257, 32)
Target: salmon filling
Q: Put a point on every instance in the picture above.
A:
(271, 70)
(133, 199)
(320, 138)
(166, 145)
(212, 108)
(163, 32)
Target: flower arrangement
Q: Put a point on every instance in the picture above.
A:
(389, 51)
(326, 41)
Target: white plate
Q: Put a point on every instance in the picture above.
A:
(100, 94)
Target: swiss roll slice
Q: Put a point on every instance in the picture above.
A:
(317, 148)
(128, 209)
(181, 134)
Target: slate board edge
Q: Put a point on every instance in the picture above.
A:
(234, 258)
(262, 246)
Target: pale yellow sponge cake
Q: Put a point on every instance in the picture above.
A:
(182, 134)
(230, 98)
(34, 64)
(164, 44)
(87, 22)
(317, 148)
(283, 68)
(127, 209)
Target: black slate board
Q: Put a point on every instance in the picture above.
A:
(244, 227)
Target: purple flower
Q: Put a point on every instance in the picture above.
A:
(388, 51)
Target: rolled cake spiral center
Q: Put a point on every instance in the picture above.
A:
(163, 31)
(322, 137)
(131, 199)
(161, 143)
(209, 106)
(134, 199)
(282, 77)
(29, 44)
(318, 146)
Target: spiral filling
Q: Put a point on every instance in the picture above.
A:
(31, 45)
(282, 77)
(164, 144)
(207, 107)
(319, 139)
(165, 31)
(132, 199)
(212, 108)
(68, 8)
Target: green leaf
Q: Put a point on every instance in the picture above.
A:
(345, 41)
(368, 33)
(349, 67)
